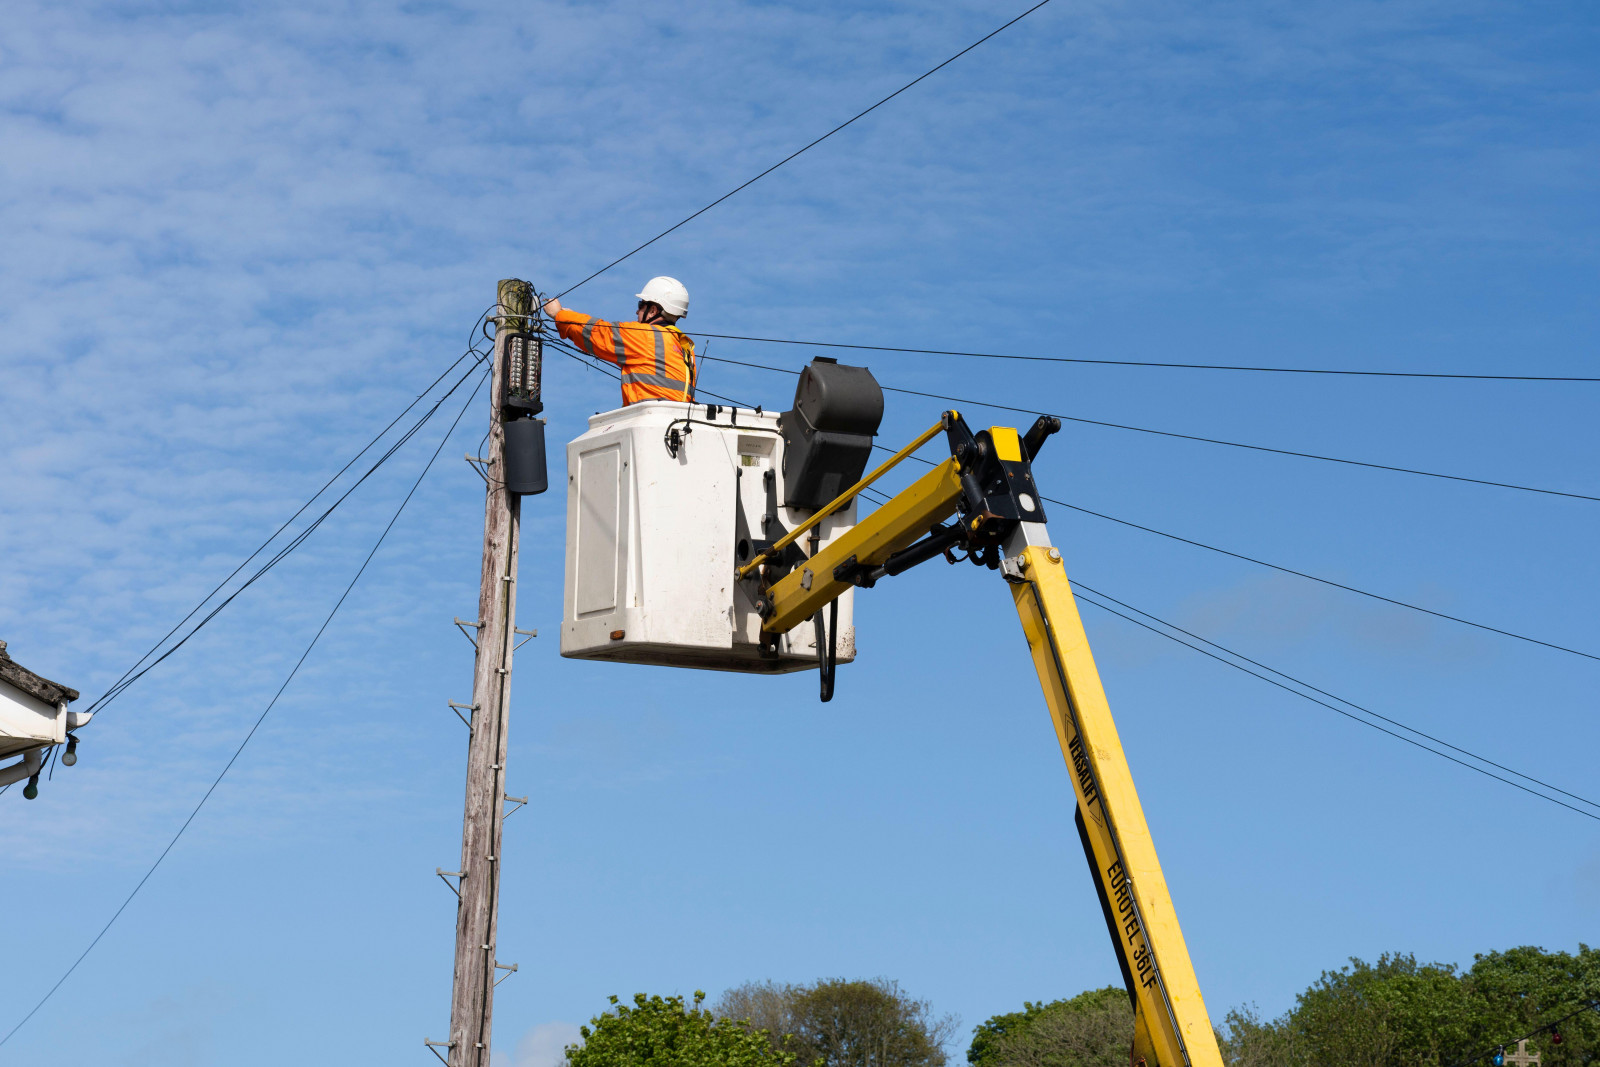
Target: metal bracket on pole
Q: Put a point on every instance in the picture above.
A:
(528, 635)
(462, 624)
(521, 802)
(435, 1046)
(458, 708)
(478, 465)
(509, 968)
(445, 876)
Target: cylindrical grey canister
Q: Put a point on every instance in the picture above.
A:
(525, 460)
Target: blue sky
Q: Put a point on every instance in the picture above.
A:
(239, 238)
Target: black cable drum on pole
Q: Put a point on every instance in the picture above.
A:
(526, 469)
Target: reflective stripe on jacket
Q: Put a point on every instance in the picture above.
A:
(657, 362)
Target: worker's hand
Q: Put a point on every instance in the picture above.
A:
(552, 307)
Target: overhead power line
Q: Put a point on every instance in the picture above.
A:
(800, 151)
(1301, 574)
(1081, 420)
(128, 676)
(1078, 585)
(1307, 690)
(579, 356)
(1150, 363)
(133, 675)
(1080, 589)
(1302, 694)
(599, 365)
(1326, 581)
(257, 724)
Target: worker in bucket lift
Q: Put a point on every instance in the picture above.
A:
(655, 357)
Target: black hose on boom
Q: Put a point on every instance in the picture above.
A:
(827, 660)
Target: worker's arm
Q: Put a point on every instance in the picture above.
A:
(595, 337)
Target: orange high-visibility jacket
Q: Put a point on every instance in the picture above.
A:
(657, 362)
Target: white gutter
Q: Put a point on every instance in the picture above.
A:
(26, 767)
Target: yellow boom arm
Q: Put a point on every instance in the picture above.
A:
(988, 483)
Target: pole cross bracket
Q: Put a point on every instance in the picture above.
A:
(521, 802)
(459, 708)
(509, 968)
(445, 876)
(462, 624)
(435, 1046)
(528, 635)
(479, 466)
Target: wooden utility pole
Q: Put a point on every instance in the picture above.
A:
(472, 996)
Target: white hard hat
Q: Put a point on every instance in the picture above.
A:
(669, 293)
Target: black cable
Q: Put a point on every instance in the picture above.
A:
(1080, 588)
(1192, 437)
(1324, 581)
(1334, 696)
(1331, 707)
(600, 365)
(1327, 581)
(797, 152)
(1302, 574)
(1593, 1005)
(259, 719)
(1078, 585)
(1148, 363)
(294, 543)
(1257, 448)
(118, 684)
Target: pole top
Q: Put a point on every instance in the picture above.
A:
(513, 301)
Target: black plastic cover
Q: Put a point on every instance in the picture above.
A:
(525, 467)
(837, 398)
(827, 435)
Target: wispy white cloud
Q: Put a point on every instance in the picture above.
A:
(545, 1045)
(1280, 611)
(238, 238)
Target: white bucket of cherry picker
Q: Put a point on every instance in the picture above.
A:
(659, 494)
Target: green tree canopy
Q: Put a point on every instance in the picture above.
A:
(842, 1022)
(1092, 1029)
(1398, 1012)
(663, 1032)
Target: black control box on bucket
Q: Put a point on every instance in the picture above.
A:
(827, 435)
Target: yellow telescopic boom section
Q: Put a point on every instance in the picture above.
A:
(1171, 1026)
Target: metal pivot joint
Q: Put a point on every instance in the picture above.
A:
(986, 487)
(997, 489)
